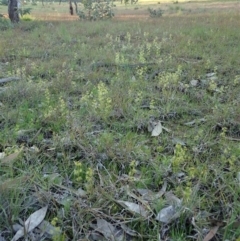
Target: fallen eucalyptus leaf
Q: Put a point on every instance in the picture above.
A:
(211, 233)
(109, 231)
(2, 155)
(199, 121)
(190, 123)
(210, 75)
(166, 215)
(172, 199)
(194, 82)
(157, 129)
(178, 141)
(148, 195)
(54, 178)
(16, 227)
(95, 236)
(135, 208)
(8, 160)
(213, 78)
(81, 193)
(32, 222)
(104, 227)
(129, 231)
(48, 229)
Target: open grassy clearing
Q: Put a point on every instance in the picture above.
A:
(76, 129)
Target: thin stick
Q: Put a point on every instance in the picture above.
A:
(8, 79)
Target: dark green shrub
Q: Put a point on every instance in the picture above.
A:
(96, 11)
(155, 13)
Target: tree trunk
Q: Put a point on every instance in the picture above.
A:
(70, 7)
(13, 11)
(76, 7)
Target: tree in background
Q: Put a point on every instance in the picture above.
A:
(71, 6)
(95, 10)
(129, 1)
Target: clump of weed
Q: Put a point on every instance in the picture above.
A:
(98, 101)
(4, 23)
(83, 176)
(27, 17)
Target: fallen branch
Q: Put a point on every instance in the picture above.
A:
(122, 66)
(232, 139)
(8, 79)
(190, 62)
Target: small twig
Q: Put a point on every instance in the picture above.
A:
(122, 66)
(8, 79)
(232, 139)
(190, 62)
(38, 132)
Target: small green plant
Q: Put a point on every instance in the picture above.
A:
(27, 17)
(132, 169)
(56, 232)
(180, 158)
(83, 176)
(170, 81)
(24, 11)
(4, 23)
(99, 101)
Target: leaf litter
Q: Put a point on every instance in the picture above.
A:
(31, 223)
(133, 203)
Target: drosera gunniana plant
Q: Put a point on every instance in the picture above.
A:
(82, 116)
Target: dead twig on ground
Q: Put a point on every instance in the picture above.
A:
(8, 79)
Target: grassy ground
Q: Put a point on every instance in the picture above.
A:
(113, 122)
